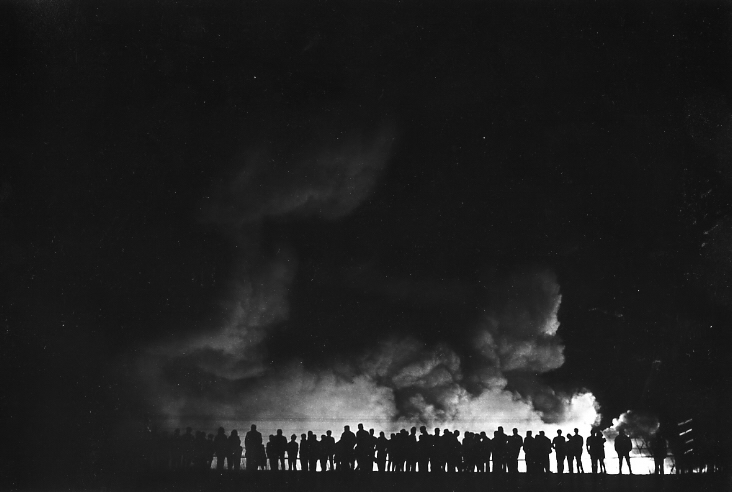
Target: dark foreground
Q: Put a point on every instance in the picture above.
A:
(398, 482)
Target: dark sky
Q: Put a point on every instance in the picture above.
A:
(354, 176)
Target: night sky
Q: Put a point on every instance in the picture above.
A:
(202, 201)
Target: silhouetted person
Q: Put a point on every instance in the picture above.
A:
(391, 446)
(500, 442)
(436, 459)
(280, 448)
(596, 449)
(485, 451)
(199, 451)
(575, 445)
(423, 451)
(399, 448)
(592, 449)
(292, 449)
(567, 443)
(530, 453)
(221, 448)
(322, 454)
(253, 447)
(543, 450)
(271, 450)
(235, 450)
(453, 450)
(186, 445)
(304, 452)
(623, 445)
(381, 451)
(559, 443)
(468, 447)
(659, 450)
(371, 455)
(340, 459)
(410, 451)
(329, 448)
(515, 442)
(261, 459)
(361, 451)
(210, 451)
(348, 442)
(313, 451)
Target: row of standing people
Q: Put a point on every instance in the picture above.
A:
(407, 451)
(403, 451)
(191, 450)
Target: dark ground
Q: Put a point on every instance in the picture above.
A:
(356, 482)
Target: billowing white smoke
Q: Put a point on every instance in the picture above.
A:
(478, 378)
(637, 425)
(513, 342)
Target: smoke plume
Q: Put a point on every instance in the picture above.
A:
(479, 374)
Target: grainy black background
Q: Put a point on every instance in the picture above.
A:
(592, 140)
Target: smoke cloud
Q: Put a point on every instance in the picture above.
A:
(481, 374)
(638, 425)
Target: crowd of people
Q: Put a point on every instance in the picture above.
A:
(405, 451)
